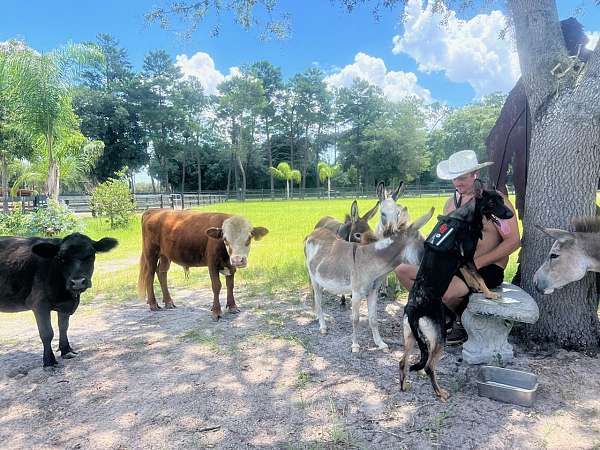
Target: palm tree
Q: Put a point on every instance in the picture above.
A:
(326, 172)
(44, 101)
(283, 171)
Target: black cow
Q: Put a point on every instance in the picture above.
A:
(48, 274)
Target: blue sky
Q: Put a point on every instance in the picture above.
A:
(454, 64)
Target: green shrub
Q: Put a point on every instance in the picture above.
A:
(112, 199)
(14, 223)
(56, 219)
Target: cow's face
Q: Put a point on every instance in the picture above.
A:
(237, 234)
(74, 258)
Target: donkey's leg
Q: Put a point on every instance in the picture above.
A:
(163, 267)
(355, 315)
(372, 307)
(409, 342)
(317, 307)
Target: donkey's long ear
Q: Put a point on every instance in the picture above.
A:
(399, 191)
(417, 224)
(354, 211)
(381, 191)
(556, 234)
(370, 213)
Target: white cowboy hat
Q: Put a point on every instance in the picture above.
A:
(458, 164)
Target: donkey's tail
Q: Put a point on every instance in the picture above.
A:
(413, 322)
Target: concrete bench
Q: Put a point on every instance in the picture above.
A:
(489, 322)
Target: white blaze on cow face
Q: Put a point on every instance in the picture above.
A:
(237, 234)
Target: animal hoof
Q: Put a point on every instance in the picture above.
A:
(404, 385)
(233, 310)
(170, 305)
(216, 317)
(384, 348)
(323, 330)
(69, 355)
(155, 308)
(355, 348)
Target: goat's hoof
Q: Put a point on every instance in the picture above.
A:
(355, 348)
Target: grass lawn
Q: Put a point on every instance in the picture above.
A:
(275, 263)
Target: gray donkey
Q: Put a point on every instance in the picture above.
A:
(342, 267)
(572, 255)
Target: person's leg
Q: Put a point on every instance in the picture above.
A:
(454, 298)
(406, 274)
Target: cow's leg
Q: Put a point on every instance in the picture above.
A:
(66, 351)
(372, 307)
(317, 307)
(231, 306)
(355, 315)
(152, 261)
(215, 281)
(164, 264)
(42, 318)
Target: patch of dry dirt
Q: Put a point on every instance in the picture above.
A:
(265, 378)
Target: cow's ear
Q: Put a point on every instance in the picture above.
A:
(105, 244)
(259, 232)
(45, 249)
(215, 233)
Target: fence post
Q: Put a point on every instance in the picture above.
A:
(161, 201)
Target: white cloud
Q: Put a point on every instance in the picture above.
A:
(466, 50)
(396, 85)
(202, 66)
(593, 37)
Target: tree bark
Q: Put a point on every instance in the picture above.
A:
(4, 184)
(270, 156)
(563, 172)
(183, 180)
(199, 173)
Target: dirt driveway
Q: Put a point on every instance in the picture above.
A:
(266, 379)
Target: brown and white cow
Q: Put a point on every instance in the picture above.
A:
(218, 241)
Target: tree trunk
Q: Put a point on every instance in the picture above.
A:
(287, 189)
(4, 184)
(243, 175)
(328, 188)
(229, 175)
(305, 159)
(199, 174)
(153, 185)
(270, 156)
(563, 173)
(53, 180)
(183, 181)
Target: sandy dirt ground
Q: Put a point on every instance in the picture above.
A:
(265, 378)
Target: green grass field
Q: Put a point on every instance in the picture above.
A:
(275, 263)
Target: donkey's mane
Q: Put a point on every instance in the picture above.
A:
(586, 224)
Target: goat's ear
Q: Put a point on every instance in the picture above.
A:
(381, 191)
(399, 191)
(556, 234)
(370, 213)
(354, 211)
(215, 233)
(418, 224)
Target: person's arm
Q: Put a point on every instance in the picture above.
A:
(509, 244)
